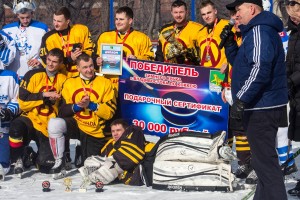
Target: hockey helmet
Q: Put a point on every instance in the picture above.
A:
(20, 4)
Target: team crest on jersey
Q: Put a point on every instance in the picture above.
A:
(215, 81)
(45, 110)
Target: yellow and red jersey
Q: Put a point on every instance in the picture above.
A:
(186, 36)
(208, 41)
(65, 40)
(134, 43)
(100, 91)
(32, 102)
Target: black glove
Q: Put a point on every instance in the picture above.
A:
(228, 36)
(236, 115)
(5, 115)
(48, 102)
(192, 57)
(2, 42)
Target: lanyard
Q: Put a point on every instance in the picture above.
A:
(124, 39)
(84, 89)
(68, 43)
(208, 42)
(53, 83)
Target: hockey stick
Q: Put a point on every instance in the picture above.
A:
(285, 164)
(250, 194)
(283, 167)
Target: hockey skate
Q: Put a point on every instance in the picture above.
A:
(58, 171)
(2, 175)
(295, 191)
(78, 158)
(29, 157)
(68, 161)
(19, 169)
(290, 169)
(243, 171)
(252, 178)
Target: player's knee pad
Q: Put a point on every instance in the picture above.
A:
(91, 164)
(56, 127)
(107, 173)
(94, 162)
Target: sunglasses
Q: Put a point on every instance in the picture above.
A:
(291, 3)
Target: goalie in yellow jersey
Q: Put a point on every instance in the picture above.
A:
(178, 40)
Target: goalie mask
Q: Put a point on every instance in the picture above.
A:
(21, 4)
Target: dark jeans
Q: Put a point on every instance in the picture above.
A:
(261, 129)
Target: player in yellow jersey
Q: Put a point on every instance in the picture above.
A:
(87, 102)
(72, 39)
(178, 40)
(39, 95)
(136, 44)
(209, 37)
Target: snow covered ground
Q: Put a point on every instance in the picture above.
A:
(30, 188)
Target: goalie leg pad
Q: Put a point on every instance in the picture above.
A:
(193, 176)
(106, 173)
(187, 148)
(91, 164)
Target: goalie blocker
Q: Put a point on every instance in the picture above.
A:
(192, 161)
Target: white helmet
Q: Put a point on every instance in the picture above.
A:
(266, 5)
(20, 4)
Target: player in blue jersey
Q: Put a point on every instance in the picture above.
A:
(27, 34)
(8, 98)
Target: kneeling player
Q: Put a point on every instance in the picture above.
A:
(39, 97)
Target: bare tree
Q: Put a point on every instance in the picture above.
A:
(150, 15)
(2, 12)
(152, 18)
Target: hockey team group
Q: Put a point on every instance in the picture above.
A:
(50, 93)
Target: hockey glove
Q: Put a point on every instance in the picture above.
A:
(236, 115)
(228, 36)
(192, 57)
(5, 115)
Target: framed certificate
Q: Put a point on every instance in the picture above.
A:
(112, 55)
